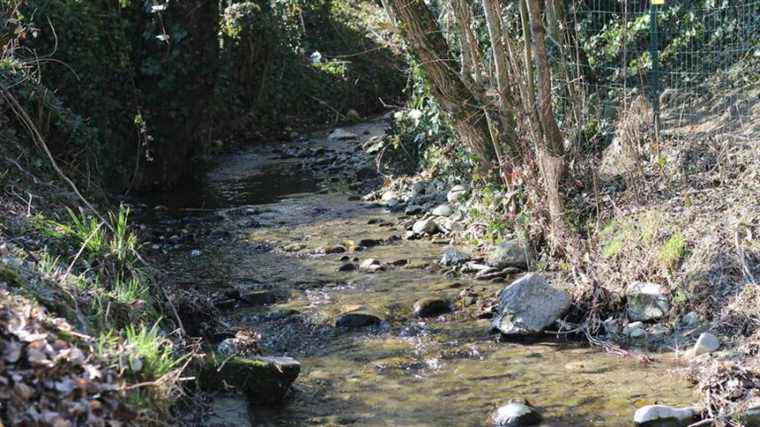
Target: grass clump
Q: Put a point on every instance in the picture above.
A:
(154, 353)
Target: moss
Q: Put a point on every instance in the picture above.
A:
(672, 251)
(262, 380)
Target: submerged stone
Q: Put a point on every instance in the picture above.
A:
(263, 380)
(429, 307)
(529, 305)
(357, 319)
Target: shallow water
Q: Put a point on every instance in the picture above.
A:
(443, 371)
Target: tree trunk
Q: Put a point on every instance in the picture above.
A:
(550, 147)
(423, 37)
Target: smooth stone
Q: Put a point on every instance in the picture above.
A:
(511, 253)
(430, 307)
(529, 305)
(663, 416)
(357, 319)
(425, 226)
(516, 414)
(453, 256)
(706, 343)
(646, 301)
(442, 210)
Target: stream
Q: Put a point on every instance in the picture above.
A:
(272, 219)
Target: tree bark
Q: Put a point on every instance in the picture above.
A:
(420, 31)
(550, 148)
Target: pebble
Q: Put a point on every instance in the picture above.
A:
(430, 307)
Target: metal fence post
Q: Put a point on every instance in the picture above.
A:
(654, 53)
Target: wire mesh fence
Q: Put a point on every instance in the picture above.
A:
(690, 56)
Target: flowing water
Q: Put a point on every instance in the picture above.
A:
(265, 222)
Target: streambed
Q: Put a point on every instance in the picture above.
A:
(265, 219)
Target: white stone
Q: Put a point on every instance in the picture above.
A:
(442, 210)
(652, 415)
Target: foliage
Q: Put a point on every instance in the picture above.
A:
(154, 351)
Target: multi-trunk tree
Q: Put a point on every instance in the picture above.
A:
(503, 108)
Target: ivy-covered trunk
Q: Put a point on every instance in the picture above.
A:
(177, 76)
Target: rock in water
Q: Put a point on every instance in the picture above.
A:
(706, 343)
(261, 379)
(516, 414)
(512, 253)
(357, 319)
(425, 226)
(442, 210)
(529, 305)
(663, 416)
(430, 307)
(646, 301)
(453, 256)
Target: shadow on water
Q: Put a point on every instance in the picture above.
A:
(263, 186)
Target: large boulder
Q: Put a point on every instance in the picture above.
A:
(263, 380)
(646, 301)
(664, 416)
(529, 305)
(513, 253)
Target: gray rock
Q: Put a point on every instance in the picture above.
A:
(348, 266)
(425, 226)
(456, 193)
(357, 319)
(706, 343)
(612, 326)
(453, 256)
(616, 160)
(663, 416)
(388, 195)
(646, 301)
(442, 210)
(529, 305)
(516, 414)
(512, 253)
(430, 307)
